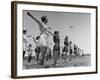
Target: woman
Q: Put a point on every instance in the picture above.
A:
(44, 34)
(56, 48)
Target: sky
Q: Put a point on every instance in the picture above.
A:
(79, 34)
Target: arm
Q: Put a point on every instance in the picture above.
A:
(34, 18)
(27, 48)
(34, 40)
(29, 36)
(41, 24)
(51, 33)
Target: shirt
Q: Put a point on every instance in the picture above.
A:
(44, 39)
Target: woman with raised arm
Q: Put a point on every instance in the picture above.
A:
(44, 29)
(42, 25)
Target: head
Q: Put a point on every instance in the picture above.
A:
(56, 32)
(44, 19)
(70, 42)
(37, 38)
(66, 38)
(24, 31)
(30, 45)
(74, 45)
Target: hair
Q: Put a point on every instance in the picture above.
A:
(24, 31)
(66, 38)
(44, 19)
(37, 37)
(30, 45)
(70, 42)
(56, 32)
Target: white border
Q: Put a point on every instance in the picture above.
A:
(21, 72)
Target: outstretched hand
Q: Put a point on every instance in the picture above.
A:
(28, 14)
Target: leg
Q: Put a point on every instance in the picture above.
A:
(38, 56)
(58, 55)
(37, 51)
(43, 52)
(48, 56)
(30, 57)
(24, 54)
(70, 55)
(55, 57)
(66, 54)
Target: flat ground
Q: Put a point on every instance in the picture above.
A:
(75, 62)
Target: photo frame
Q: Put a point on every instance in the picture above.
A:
(72, 32)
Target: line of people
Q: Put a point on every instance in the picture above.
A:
(42, 49)
(68, 51)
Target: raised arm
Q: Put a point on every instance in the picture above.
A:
(51, 33)
(34, 40)
(29, 14)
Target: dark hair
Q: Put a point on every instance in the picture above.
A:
(37, 37)
(24, 31)
(56, 37)
(30, 45)
(66, 38)
(44, 19)
(70, 42)
(56, 32)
